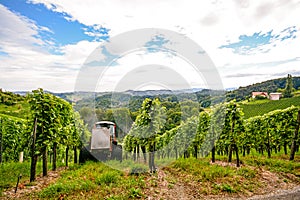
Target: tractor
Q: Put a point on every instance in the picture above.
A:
(103, 144)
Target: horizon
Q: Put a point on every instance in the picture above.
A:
(199, 89)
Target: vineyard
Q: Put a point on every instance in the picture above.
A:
(51, 126)
(223, 131)
(261, 107)
(164, 139)
(13, 105)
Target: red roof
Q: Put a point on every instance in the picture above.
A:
(254, 94)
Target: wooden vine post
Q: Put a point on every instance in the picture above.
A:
(34, 157)
(1, 138)
(294, 142)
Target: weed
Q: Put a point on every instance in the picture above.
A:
(108, 178)
(115, 198)
(135, 193)
(274, 164)
(128, 165)
(153, 183)
(137, 170)
(246, 172)
(227, 188)
(170, 185)
(216, 172)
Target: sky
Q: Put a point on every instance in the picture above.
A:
(47, 43)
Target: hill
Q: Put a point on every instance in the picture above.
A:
(205, 97)
(260, 107)
(12, 104)
(133, 99)
(243, 93)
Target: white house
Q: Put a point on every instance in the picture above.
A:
(275, 96)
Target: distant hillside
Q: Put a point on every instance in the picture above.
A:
(205, 97)
(260, 107)
(133, 99)
(273, 85)
(13, 105)
(162, 92)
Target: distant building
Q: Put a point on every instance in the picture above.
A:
(275, 96)
(264, 94)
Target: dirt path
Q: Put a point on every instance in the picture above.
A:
(280, 194)
(159, 186)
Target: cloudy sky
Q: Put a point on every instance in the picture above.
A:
(45, 43)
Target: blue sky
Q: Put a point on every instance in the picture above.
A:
(249, 43)
(44, 43)
(61, 31)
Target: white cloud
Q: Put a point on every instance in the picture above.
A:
(209, 23)
(143, 65)
(27, 65)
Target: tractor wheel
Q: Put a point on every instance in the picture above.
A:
(117, 152)
(85, 155)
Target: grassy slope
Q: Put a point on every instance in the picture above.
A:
(96, 181)
(195, 177)
(20, 109)
(260, 107)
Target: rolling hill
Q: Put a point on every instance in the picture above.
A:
(243, 93)
(14, 105)
(260, 107)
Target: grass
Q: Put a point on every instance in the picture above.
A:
(213, 179)
(19, 110)
(279, 164)
(9, 173)
(95, 181)
(260, 107)
(128, 166)
(98, 181)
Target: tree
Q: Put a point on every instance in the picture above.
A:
(123, 121)
(145, 130)
(295, 138)
(202, 129)
(13, 138)
(88, 116)
(54, 124)
(217, 122)
(271, 130)
(234, 126)
(287, 93)
(43, 114)
(1, 139)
